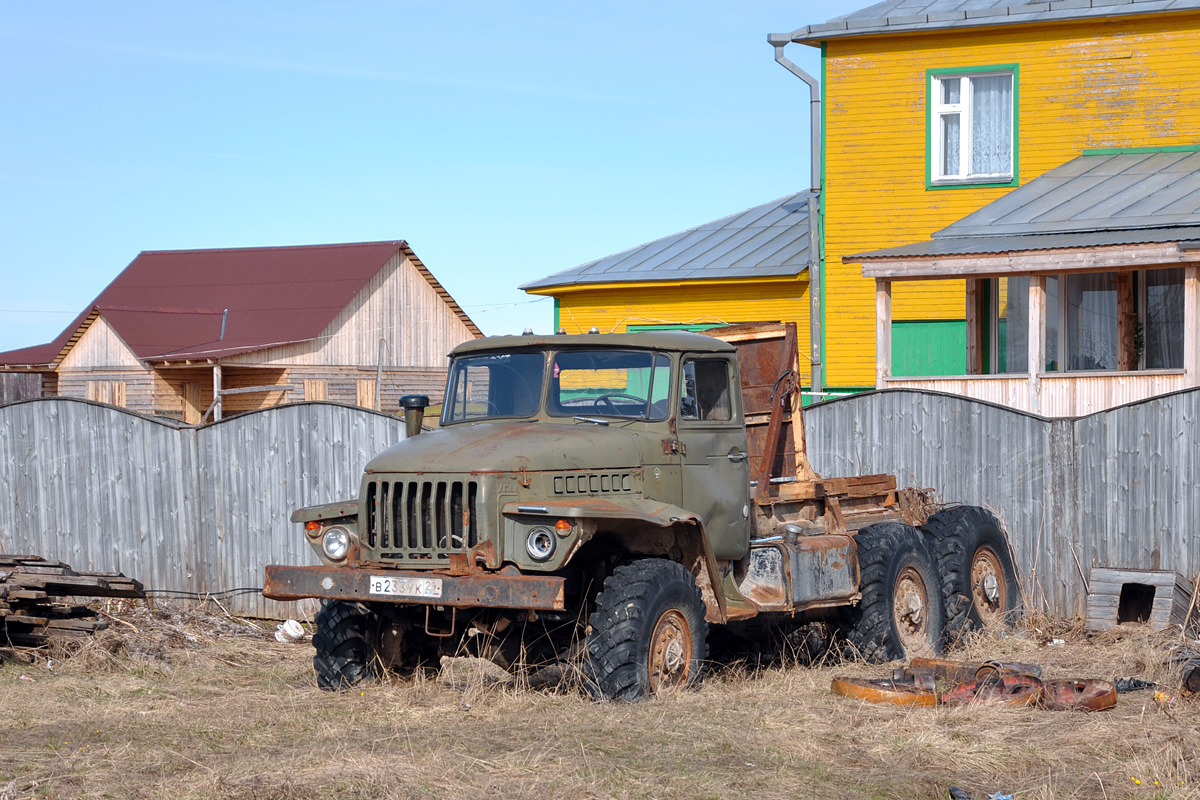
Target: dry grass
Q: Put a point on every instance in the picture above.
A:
(197, 706)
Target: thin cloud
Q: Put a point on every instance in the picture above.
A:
(323, 70)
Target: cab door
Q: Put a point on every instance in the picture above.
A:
(716, 470)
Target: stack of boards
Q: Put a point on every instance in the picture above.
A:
(33, 599)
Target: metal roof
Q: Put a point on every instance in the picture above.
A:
(900, 16)
(171, 304)
(771, 240)
(1095, 200)
(662, 340)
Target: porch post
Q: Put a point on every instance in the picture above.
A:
(1126, 321)
(974, 327)
(883, 332)
(1037, 340)
(1191, 325)
(216, 393)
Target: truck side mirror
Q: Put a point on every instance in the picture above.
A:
(414, 406)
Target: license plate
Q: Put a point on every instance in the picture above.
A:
(406, 587)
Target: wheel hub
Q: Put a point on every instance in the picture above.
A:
(910, 600)
(989, 594)
(670, 653)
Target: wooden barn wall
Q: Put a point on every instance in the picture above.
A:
(139, 386)
(186, 509)
(15, 386)
(399, 306)
(100, 346)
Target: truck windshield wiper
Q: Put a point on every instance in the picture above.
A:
(592, 420)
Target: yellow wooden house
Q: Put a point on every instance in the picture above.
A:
(933, 109)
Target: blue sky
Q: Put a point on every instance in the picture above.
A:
(503, 141)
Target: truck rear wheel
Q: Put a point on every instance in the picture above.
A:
(900, 614)
(979, 581)
(345, 644)
(648, 632)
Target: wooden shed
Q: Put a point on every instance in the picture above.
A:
(197, 334)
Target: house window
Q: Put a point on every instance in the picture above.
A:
(112, 392)
(972, 126)
(314, 390)
(1082, 313)
(1160, 311)
(364, 393)
(1008, 329)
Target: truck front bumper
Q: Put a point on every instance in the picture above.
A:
(485, 590)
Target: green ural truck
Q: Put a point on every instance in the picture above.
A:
(604, 499)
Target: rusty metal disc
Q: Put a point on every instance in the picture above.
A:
(1014, 690)
(883, 691)
(1078, 694)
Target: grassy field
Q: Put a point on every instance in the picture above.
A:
(195, 705)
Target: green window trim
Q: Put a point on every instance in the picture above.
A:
(930, 75)
(698, 328)
(1120, 151)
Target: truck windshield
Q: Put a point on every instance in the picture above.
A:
(610, 383)
(494, 385)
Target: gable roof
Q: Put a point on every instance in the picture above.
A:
(901, 16)
(771, 240)
(1135, 196)
(171, 304)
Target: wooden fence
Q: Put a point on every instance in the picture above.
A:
(197, 510)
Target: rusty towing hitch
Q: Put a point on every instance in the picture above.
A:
(487, 590)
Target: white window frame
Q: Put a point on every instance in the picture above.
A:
(939, 109)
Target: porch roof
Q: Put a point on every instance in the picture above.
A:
(1105, 202)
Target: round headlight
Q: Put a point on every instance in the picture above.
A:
(336, 543)
(540, 543)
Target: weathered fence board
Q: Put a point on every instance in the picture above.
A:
(205, 509)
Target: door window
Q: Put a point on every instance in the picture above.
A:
(705, 393)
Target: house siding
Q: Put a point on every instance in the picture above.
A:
(616, 308)
(1082, 85)
(100, 346)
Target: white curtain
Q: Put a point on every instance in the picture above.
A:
(1092, 321)
(991, 125)
(1163, 325)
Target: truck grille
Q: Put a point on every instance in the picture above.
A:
(422, 519)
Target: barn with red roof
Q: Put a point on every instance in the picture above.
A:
(197, 334)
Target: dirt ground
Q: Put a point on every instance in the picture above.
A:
(194, 704)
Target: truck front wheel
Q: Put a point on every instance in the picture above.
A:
(345, 644)
(648, 633)
(900, 614)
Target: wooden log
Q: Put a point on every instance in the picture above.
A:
(89, 625)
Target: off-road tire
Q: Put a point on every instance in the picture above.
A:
(969, 544)
(345, 645)
(648, 634)
(896, 568)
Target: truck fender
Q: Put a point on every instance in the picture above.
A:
(682, 525)
(344, 509)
